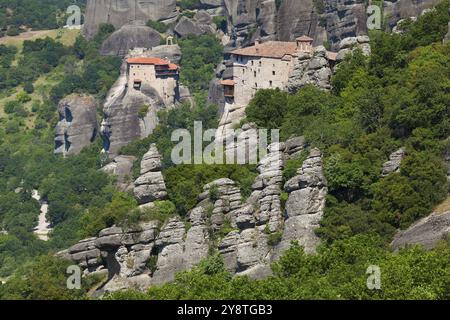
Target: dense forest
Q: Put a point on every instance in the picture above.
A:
(398, 96)
(17, 16)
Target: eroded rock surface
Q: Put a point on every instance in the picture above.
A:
(305, 205)
(121, 167)
(311, 69)
(426, 232)
(249, 234)
(150, 186)
(77, 126)
(395, 160)
(119, 13)
(130, 36)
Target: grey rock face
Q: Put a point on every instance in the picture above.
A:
(447, 36)
(200, 24)
(77, 127)
(294, 146)
(348, 45)
(170, 254)
(395, 160)
(315, 70)
(144, 256)
(401, 9)
(121, 167)
(119, 13)
(268, 197)
(128, 37)
(345, 19)
(186, 27)
(150, 185)
(296, 18)
(305, 205)
(170, 52)
(224, 204)
(426, 232)
(122, 252)
(151, 161)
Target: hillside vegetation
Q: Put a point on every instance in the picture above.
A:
(399, 96)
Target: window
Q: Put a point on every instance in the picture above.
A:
(254, 73)
(270, 83)
(243, 71)
(260, 63)
(253, 62)
(256, 85)
(273, 73)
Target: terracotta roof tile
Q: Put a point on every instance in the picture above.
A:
(270, 49)
(228, 82)
(148, 60)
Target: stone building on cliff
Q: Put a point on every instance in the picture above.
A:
(267, 65)
(160, 74)
(262, 66)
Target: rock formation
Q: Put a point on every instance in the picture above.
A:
(395, 160)
(119, 13)
(447, 36)
(128, 37)
(426, 232)
(349, 44)
(77, 126)
(150, 185)
(325, 20)
(305, 205)
(397, 10)
(121, 167)
(313, 70)
(124, 254)
(249, 235)
(123, 122)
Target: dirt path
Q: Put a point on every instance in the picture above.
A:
(43, 227)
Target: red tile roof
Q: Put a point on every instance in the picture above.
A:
(228, 82)
(270, 49)
(153, 61)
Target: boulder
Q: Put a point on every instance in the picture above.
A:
(426, 232)
(395, 160)
(77, 127)
(128, 37)
(151, 161)
(187, 27)
(150, 185)
(121, 167)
